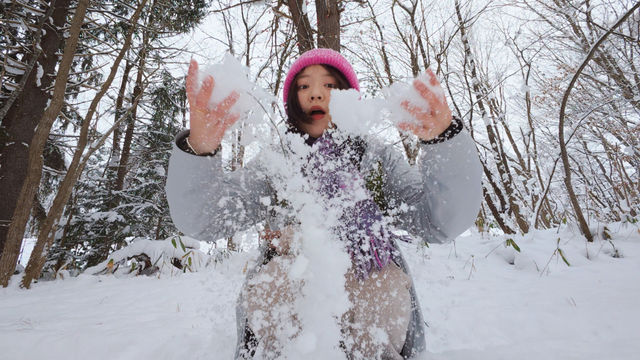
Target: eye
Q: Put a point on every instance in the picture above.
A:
(303, 86)
(331, 85)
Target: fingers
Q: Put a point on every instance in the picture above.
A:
(431, 120)
(202, 97)
(434, 101)
(192, 80)
(433, 80)
(409, 127)
(220, 128)
(226, 104)
(230, 120)
(414, 110)
(423, 131)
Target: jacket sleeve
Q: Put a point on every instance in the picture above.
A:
(207, 203)
(440, 197)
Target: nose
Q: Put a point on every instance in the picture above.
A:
(317, 93)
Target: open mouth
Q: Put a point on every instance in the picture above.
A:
(317, 113)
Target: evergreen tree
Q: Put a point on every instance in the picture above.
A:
(115, 191)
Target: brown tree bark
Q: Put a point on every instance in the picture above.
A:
(23, 115)
(302, 25)
(49, 227)
(30, 185)
(119, 111)
(602, 57)
(131, 119)
(32, 57)
(409, 143)
(383, 47)
(328, 24)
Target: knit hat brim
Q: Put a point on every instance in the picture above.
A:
(320, 56)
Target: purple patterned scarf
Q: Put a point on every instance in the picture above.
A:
(334, 165)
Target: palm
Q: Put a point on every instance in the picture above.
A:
(208, 123)
(430, 122)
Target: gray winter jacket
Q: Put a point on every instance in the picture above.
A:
(443, 191)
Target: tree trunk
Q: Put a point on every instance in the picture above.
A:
(114, 158)
(131, 123)
(302, 25)
(500, 158)
(496, 214)
(32, 180)
(328, 24)
(48, 230)
(22, 118)
(36, 52)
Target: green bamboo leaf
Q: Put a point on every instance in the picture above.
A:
(173, 242)
(511, 242)
(563, 258)
(182, 245)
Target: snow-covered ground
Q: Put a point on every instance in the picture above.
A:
(481, 300)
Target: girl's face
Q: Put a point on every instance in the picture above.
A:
(314, 85)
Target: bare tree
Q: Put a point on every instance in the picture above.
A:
(584, 227)
(489, 111)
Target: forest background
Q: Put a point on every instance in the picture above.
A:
(92, 95)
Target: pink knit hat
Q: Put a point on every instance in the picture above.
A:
(317, 57)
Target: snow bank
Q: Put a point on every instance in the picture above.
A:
(143, 256)
(476, 304)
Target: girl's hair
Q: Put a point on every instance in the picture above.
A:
(295, 114)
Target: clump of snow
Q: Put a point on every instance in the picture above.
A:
(39, 75)
(363, 117)
(320, 261)
(353, 115)
(230, 75)
(255, 106)
(323, 264)
(399, 92)
(169, 256)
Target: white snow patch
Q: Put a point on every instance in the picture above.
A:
(39, 75)
(481, 309)
(230, 75)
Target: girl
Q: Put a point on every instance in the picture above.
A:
(439, 198)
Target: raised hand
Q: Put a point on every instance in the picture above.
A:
(429, 122)
(208, 123)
